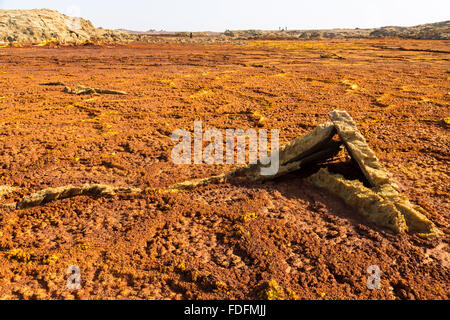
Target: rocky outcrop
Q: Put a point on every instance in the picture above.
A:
(40, 25)
(431, 31)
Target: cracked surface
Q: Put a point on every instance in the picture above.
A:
(140, 246)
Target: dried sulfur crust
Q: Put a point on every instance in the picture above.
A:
(358, 148)
(414, 215)
(367, 202)
(5, 190)
(51, 194)
(192, 184)
(86, 90)
(382, 184)
(308, 144)
(385, 207)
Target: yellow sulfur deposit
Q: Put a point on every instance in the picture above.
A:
(356, 195)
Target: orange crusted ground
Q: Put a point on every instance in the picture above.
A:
(283, 239)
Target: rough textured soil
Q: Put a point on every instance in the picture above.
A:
(282, 239)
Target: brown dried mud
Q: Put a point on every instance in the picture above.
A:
(230, 241)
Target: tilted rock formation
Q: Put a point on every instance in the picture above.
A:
(359, 149)
(381, 202)
(314, 146)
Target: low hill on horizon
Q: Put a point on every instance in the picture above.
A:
(40, 25)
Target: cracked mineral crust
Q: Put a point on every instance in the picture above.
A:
(51, 194)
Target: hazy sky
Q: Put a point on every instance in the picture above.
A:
(219, 15)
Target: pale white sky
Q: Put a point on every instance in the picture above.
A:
(219, 15)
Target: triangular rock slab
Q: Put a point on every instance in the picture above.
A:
(380, 180)
(316, 145)
(358, 148)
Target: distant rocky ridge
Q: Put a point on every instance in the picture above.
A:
(41, 25)
(431, 31)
